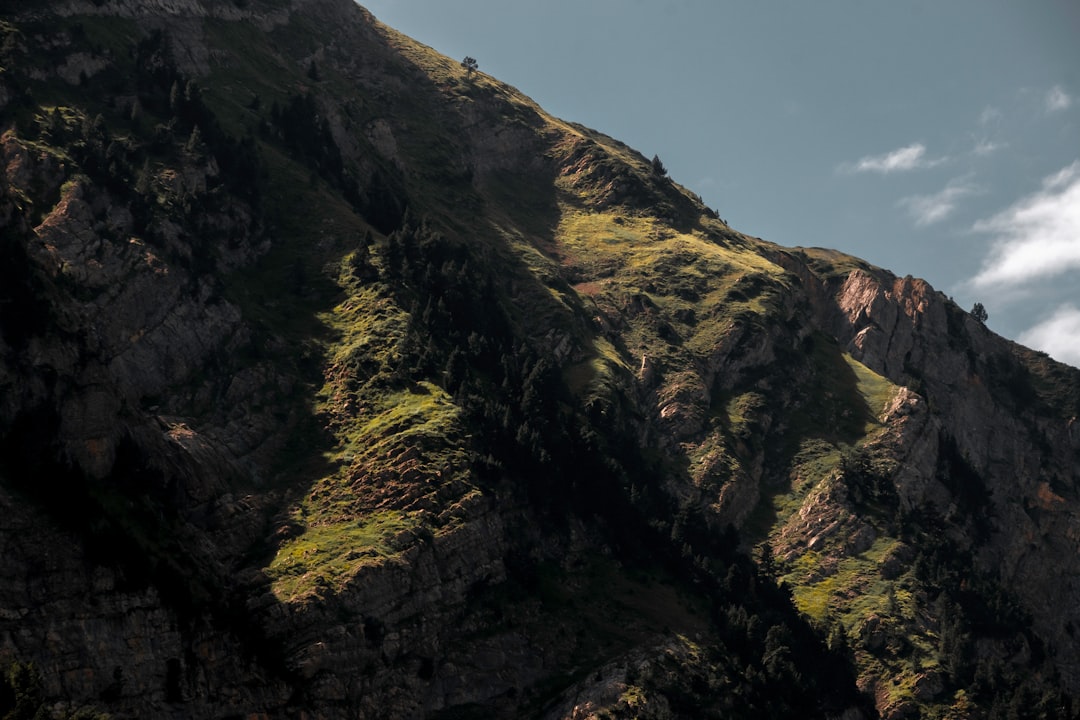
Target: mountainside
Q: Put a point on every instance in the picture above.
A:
(337, 379)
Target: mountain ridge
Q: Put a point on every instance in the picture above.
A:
(355, 384)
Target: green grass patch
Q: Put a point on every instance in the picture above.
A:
(881, 618)
(416, 414)
(813, 464)
(876, 392)
(844, 398)
(851, 591)
(599, 375)
(326, 557)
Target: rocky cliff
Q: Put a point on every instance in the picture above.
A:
(339, 380)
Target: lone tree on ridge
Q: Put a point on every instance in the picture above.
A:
(658, 167)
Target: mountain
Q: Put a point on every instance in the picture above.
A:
(338, 379)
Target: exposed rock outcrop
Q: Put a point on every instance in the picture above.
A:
(914, 335)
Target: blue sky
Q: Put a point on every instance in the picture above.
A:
(936, 139)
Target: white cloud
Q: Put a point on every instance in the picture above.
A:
(930, 209)
(985, 147)
(1057, 99)
(911, 157)
(1062, 177)
(1058, 335)
(1038, 237)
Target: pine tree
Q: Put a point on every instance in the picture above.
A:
(658, 167)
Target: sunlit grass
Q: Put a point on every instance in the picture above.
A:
(876, 391)
(326, 557)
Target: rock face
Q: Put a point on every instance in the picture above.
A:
(409, 400)
(908, 332)
(97, 639)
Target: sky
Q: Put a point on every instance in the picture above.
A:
(934, 139)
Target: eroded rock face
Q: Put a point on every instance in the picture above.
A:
(1026, 459)
(117, 330)
(389, 644)
(912, 437)
(100, 636)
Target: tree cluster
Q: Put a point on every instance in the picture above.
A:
(978, 311)
(121, 151)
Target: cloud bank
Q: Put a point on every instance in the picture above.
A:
(1058, 335)
(911, 157)
(1038, 237)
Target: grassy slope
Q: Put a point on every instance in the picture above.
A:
(702, 271)
(605, 269)
(702, 278)
(395, 448)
